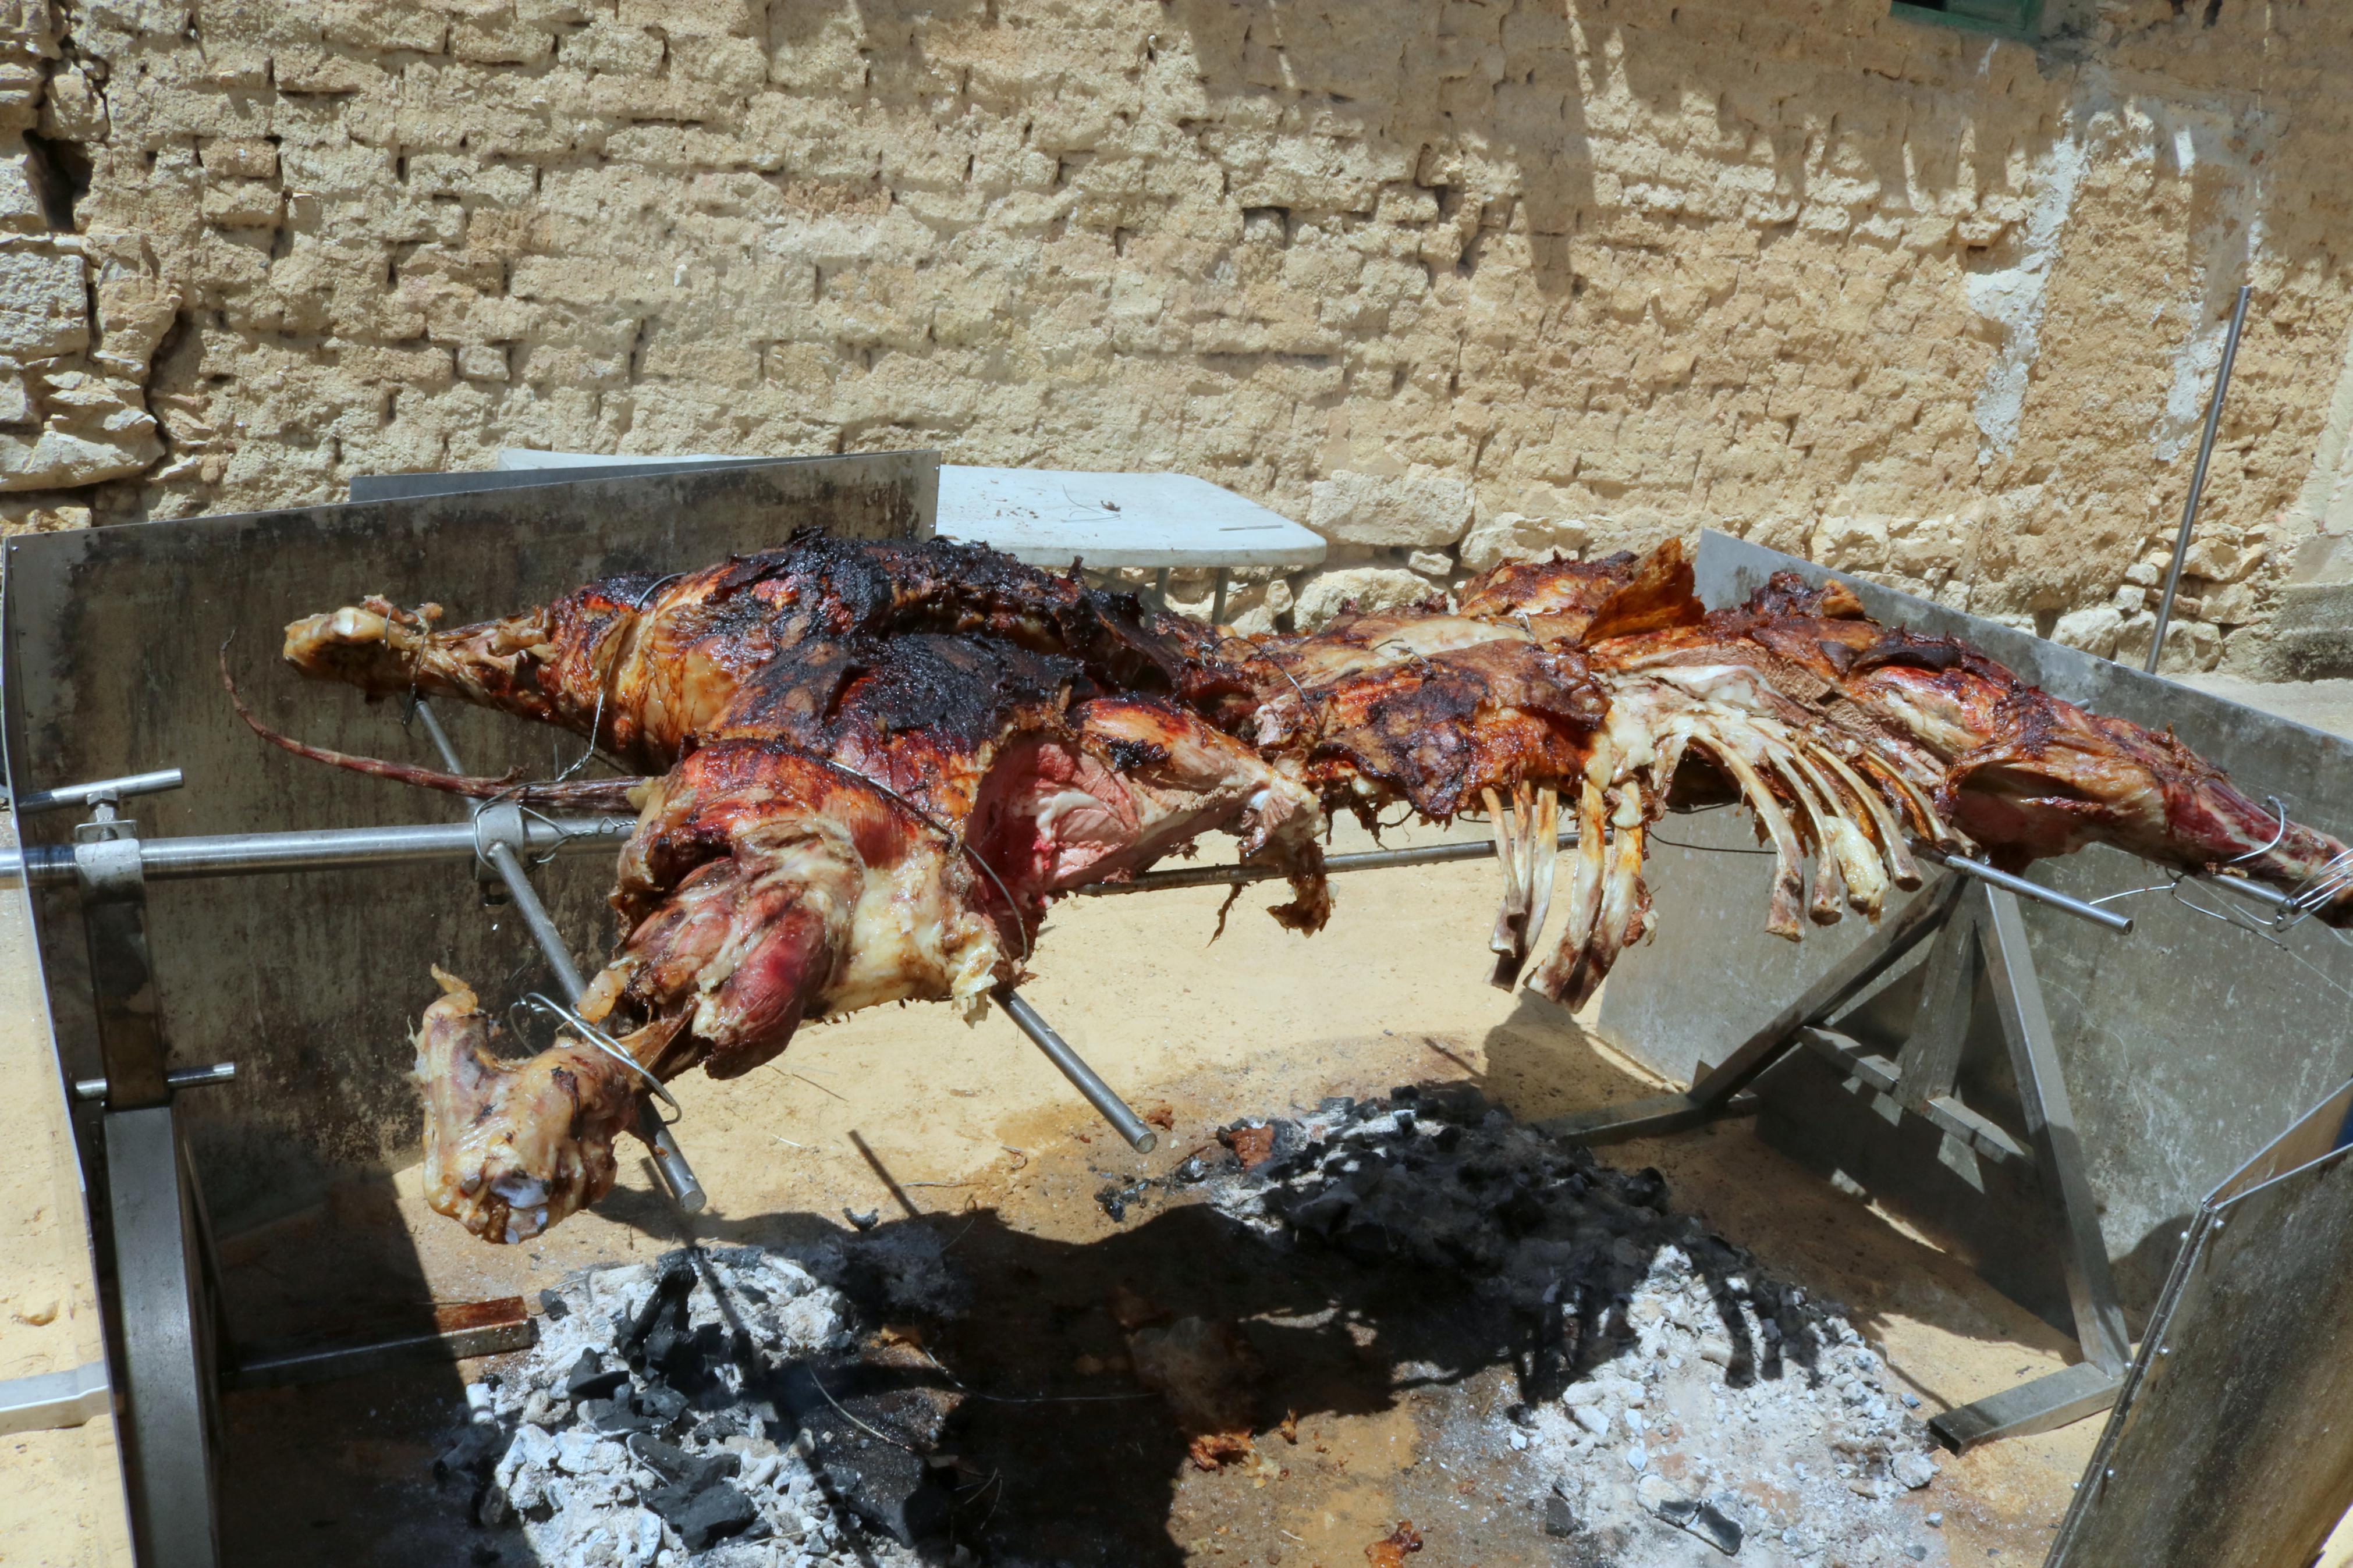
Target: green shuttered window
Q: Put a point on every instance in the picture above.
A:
(2003, 19)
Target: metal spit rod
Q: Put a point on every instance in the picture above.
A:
(1485, 848)
(324, 850)
(319, 850)
(497, 847)
(2197, 477)
(2025, 889)
(1099, 1094)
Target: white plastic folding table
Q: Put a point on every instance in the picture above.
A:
(1050, 516)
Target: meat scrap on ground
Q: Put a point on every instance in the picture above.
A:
(863, 770)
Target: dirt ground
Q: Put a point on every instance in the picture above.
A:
(912, 1114)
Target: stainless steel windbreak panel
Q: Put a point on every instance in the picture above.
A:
(2185, 1045)
(2230, 1446)
(309, 982)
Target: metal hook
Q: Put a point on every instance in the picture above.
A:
(2278, 833)
(604, 1043)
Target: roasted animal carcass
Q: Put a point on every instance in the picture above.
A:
(862, 770)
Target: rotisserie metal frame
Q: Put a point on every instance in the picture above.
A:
(252, 988)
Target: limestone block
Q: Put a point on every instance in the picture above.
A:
(379, 27)
(72, 110)
(21, 80)
(134, 311)
(239, 158)
(2222, 557)
(242, 204)
(21, 517)
(1419, 508)
(15, 398)
(1365, 588)
(2236, 604)
(2093, 631)
(306, 68)
(483, 361)
(20, 203)
(92, 429)
(1509, 536)
(692, 18)
(499, 41)
(44, 305)
(2189, 646)
(730, 65)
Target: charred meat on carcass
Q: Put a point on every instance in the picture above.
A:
(862, 770)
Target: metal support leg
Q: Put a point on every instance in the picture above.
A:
(165, 1332)
(169, 1374)
(1974, 922)
(1717, 1091)
(1995, 929)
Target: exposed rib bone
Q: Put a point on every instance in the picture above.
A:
(1623, 899)
(1823, 908)
(1583, 883)
(1929, 825)
(1510, 939)
(1544, 851)
(1901, 869)
(1859, 862)
(1781, 918)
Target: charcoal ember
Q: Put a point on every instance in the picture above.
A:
(616, 1415)
(663, 1404)
(868, 1440)
(553, 1306)
(1321, 1212)
(713, 1513)
(590, 1378)
(674, 1279)
(1646, 1188)
(1114, 1199)
(1704, 1519)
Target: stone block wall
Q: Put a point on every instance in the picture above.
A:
(1446, 279)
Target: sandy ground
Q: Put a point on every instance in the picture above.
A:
(908, 1110)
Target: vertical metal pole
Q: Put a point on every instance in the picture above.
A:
(670, 1160)
(2198, 479)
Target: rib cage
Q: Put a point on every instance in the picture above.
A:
(866, 769)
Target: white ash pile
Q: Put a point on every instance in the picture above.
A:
(664, 1419)
(1670, 1390)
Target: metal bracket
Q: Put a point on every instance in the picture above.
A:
(1974, 923)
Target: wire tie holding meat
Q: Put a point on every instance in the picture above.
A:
(604, 1043)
